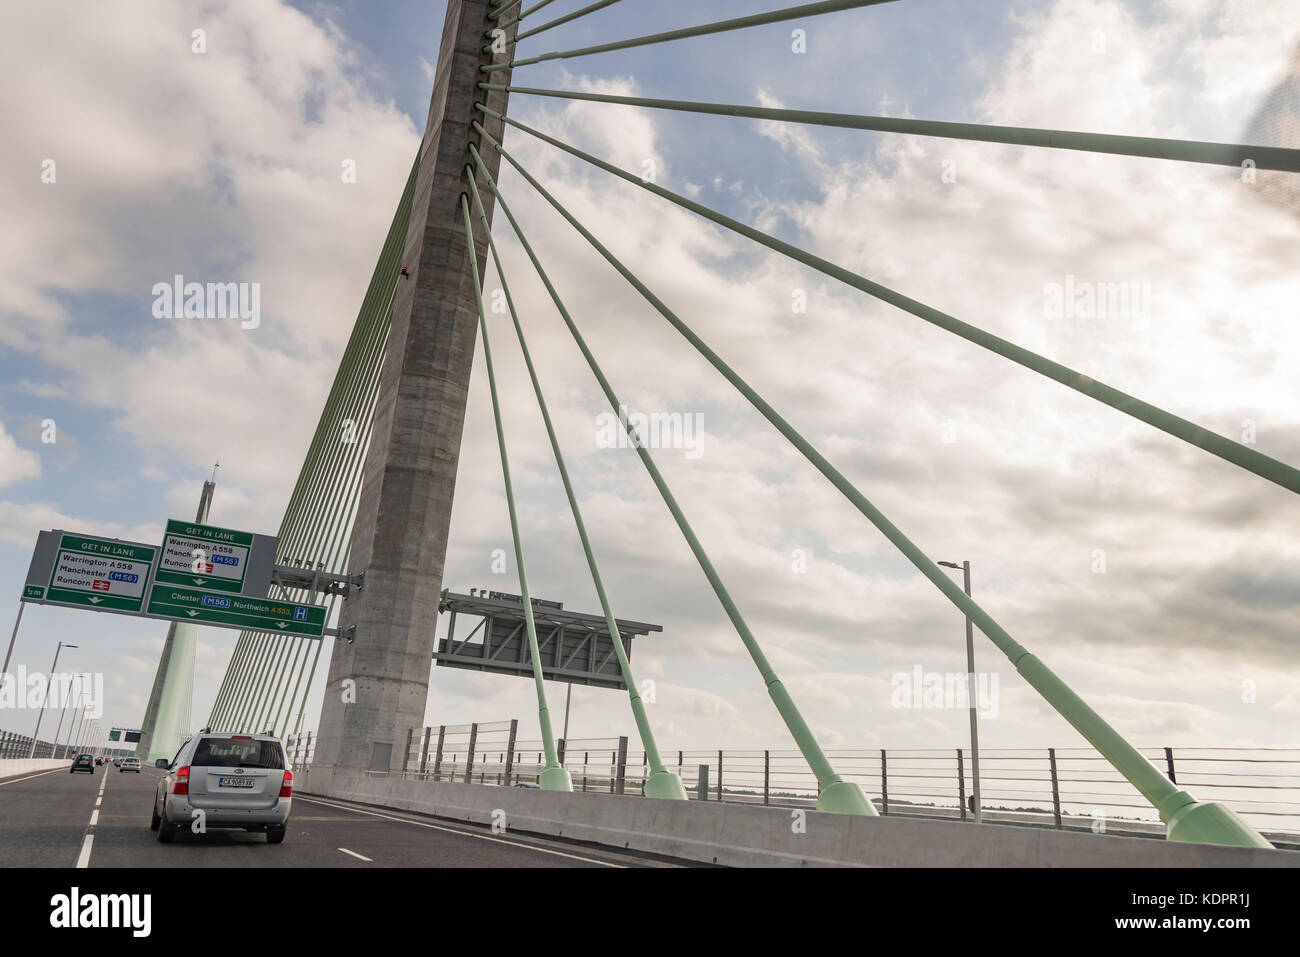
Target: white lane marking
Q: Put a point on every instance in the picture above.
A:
(83, 859)
(360, 857)
(29, 777)
(452, 830)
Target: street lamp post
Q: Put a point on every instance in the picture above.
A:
(63, 714)
(41, 714)
(75, 729)
(82, 722)
(972, 694)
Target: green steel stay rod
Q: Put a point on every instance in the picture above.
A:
(1151, 147)
(307, 529)
(278, 676)
(527, 13)
(543, 712)
(358, 357)
(292, 671)
(1240, 455)
(1165, 796)
(496, 11)
(828, 781)
(653, 757)
(343, 544)
(232, 668)
(721, 26)
(342, 547)
(361, 365)
(542, 28)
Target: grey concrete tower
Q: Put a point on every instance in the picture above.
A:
(378, 684)
(167, 716)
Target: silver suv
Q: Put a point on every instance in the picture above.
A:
(225, 780)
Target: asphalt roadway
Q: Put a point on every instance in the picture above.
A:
(57, 819)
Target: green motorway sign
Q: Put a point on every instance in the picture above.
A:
(98, 572)
(218, 608)
(204, 556)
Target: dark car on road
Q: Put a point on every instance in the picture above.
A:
(82, 762)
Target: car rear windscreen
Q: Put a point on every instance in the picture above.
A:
(235, 753)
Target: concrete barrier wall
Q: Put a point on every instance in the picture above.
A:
(739, 835)
(17, 767)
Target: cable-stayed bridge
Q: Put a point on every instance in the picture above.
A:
(373, 497)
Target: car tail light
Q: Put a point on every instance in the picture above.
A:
(286, 789)
(182, 783)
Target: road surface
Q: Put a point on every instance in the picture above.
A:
(57, 819)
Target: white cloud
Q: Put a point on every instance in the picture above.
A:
(16, 463)
(1035, 480)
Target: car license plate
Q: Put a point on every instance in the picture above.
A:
(235, 782)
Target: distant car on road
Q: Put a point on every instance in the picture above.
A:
(128, 764)
(82, 762)
(234, 780)
(117, 762)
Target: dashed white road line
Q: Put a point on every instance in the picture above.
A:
(453, 830)
(83, 859)
(360, 857)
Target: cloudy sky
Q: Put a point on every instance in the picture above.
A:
(1155, 578)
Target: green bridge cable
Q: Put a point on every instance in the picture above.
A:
(527, 13)
(1200, 821)
(661, 783)
(721, 26)
(306, 531)
(1150, 147)
(495, 12)
(311, 530)
(554, 778)
(1240, 455)
(576, 14)
(341, 503)
(836, 794)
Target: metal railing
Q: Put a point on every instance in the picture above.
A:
(1073, 788)
(14, 746)
(1067, 788)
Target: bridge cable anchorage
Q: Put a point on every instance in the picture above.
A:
(661, 783)
(318, 519)
(1148, 147)
(1244, 457)
(513, 20)
(1211, 822)
(835, 794)
(496, 11)
(542, 28)
(720, 26)
(555, 777)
